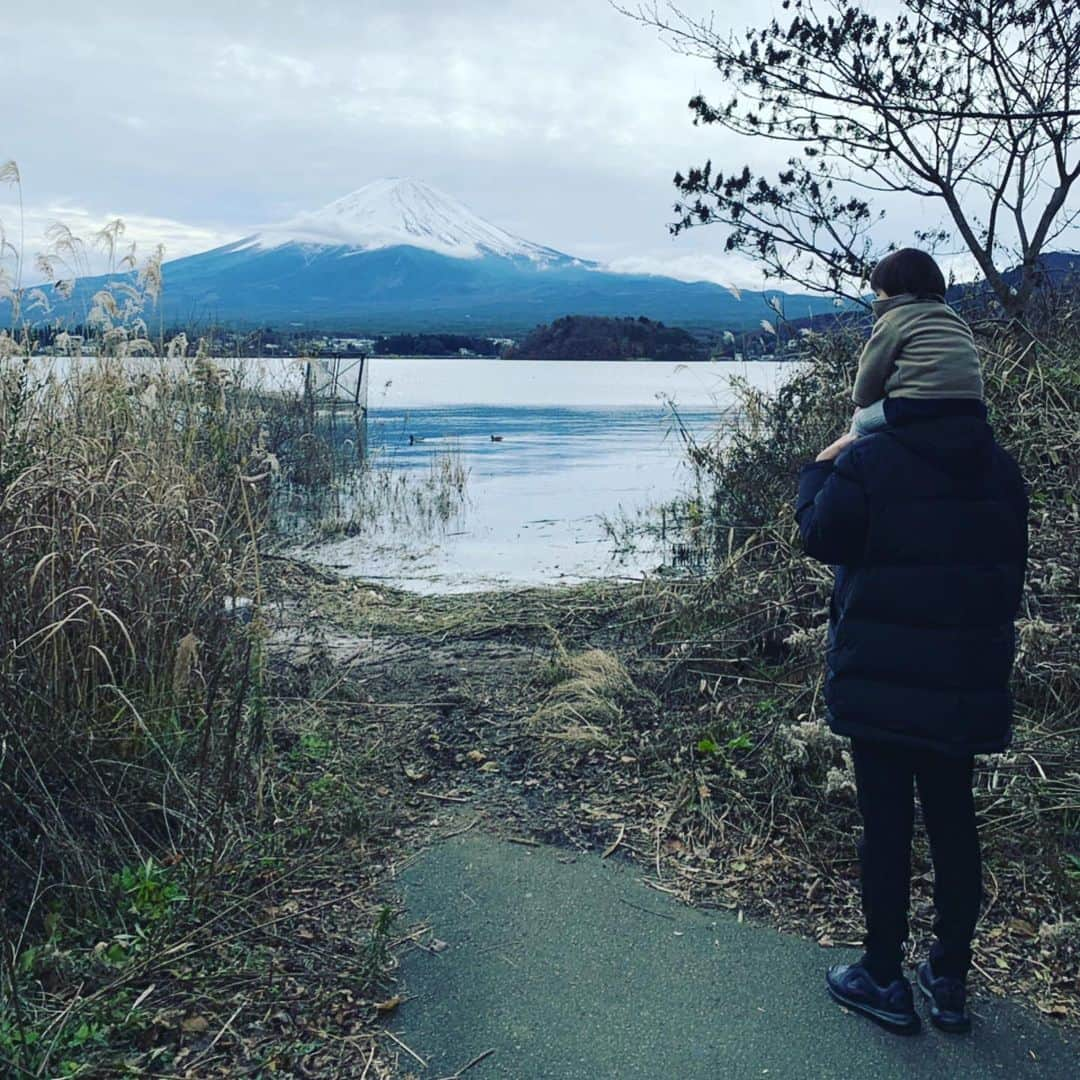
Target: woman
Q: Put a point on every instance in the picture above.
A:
(926, 524)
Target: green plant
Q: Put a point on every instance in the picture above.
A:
(375, 954)
(316, 747)
(65, 1047)
(709, 747)
(148, 890)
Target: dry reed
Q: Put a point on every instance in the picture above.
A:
(122, 533)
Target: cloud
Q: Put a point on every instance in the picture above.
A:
(237, 63)
(563, 122)
(141, 234)
(727, 270)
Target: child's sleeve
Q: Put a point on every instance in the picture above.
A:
(876, 363)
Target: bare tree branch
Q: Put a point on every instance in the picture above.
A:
(968, 101)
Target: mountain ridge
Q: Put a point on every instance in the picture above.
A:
(398, 255)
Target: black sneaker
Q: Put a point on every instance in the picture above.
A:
(947, 997)
(891, 1006)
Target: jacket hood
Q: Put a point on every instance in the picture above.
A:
(960, 446)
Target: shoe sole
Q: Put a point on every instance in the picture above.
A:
(953, 1028)
(890, 1021)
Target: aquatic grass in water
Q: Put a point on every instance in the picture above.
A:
(371, 496)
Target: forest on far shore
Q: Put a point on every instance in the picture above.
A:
(593, 337)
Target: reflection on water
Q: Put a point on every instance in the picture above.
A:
(550, 490)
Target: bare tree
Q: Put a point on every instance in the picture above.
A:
(970, 102)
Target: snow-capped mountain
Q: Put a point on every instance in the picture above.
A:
(396, 212)
(397, 254)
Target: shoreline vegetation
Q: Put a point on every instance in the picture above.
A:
(572, 337)
(214, 758)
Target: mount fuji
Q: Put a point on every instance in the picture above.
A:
(399, 255)
(397, 212)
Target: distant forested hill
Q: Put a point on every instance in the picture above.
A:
(592, 337)
(433, 345)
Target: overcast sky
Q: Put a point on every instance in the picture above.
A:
(559, 120)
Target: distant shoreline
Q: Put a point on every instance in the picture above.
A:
(568, 360)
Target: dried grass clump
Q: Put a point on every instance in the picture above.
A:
(810, 757)
(126, 519)
(587, 698)
(810, 642)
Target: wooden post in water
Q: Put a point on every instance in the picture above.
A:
(360, 405)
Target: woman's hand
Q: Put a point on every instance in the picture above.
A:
(833, 449)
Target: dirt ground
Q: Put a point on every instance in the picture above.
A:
(438, 710)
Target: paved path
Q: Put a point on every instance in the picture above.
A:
(570, 969)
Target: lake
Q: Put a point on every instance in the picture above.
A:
(583, 453)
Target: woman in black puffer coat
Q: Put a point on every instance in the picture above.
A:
(926, 524)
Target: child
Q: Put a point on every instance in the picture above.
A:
(919, 349)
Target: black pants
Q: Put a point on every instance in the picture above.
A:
(883, 777)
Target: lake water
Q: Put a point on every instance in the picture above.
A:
(582, 449)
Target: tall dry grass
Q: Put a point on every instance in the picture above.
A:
(132, 499)
(134, 490)
(139, 484)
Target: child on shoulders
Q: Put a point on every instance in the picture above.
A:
(920, 350)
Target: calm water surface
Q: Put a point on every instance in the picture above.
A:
(582, 449)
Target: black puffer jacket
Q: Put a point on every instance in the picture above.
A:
(926, 523)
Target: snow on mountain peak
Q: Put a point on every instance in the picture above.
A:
(401, 211)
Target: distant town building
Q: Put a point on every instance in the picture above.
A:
(352, 344)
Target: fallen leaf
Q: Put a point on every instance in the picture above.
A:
(194, 1025)
(1051, 1010)
(389, 1005)
(1022, 926)
(476, 756)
